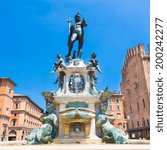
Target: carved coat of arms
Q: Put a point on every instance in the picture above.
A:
(76, 83)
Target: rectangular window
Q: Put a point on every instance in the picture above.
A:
(136, 84)
(7, 111)
(138, 123)
(10, 90)
(127, 125)
(118, 100)
(4, 128)
(144, 122)
(109, 107)
(132, 124)
(129, 91)
(143, 103)
(109, 101)
(16, 106)
(118, 108)
(14, 123)
(137, 105)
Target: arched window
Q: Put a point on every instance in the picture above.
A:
(12, 135)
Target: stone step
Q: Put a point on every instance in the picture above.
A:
(77, 141)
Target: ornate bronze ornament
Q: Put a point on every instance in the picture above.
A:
(76, 83)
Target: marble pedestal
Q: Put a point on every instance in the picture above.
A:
(77, 104)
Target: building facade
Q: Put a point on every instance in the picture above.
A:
(136, 90)
(116, 108)
(6, 102)
(18, 113)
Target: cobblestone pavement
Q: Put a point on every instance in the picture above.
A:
(79, 147)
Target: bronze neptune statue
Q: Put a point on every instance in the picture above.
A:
(76, 33)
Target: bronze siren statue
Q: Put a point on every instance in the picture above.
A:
(76, 32)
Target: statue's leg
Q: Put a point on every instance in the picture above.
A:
(80, 44)
(69, 46)
(70, 43)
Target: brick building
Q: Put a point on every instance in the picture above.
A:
(136, 90)
(116, 107)
(18, 113)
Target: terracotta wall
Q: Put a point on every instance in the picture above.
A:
(26, 115)
(115, 107)
(135, 87)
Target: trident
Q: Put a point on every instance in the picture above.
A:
(69, 24)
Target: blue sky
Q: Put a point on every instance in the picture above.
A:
(33, 32)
